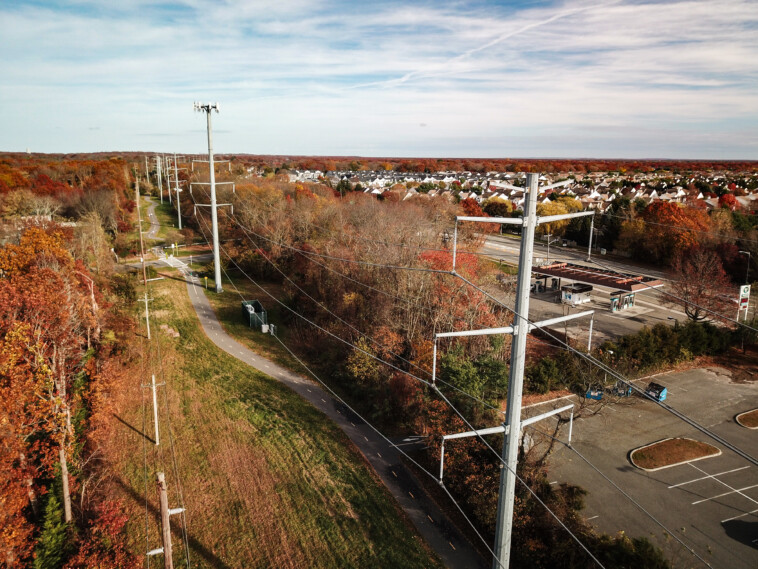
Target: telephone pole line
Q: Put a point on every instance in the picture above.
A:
(207, 108)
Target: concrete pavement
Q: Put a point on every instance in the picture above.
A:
(428, 519)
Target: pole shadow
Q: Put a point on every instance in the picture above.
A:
(195, 546)
(140, 433)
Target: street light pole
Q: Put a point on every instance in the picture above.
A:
(207, 108)
(747, 272)
(549, 235)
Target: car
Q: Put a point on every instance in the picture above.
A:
(656, 391)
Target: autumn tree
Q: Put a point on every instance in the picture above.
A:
(700, 285)
(55, 297)
(664, 231)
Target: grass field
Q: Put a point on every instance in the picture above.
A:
(268, 480)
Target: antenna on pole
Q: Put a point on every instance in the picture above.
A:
(207, 108)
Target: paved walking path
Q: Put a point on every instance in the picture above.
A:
(431, 523)
(154, 224)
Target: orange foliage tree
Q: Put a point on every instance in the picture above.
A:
(664, 231)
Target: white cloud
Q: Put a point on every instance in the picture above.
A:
(574, 78)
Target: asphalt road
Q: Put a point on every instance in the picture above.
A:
(429, 520)
(648, 309)
(711, 504)
(508, 249)
(154, 225)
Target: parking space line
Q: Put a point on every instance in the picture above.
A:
(737, 517)
(733, 491)
(727, 485)
(709, 476)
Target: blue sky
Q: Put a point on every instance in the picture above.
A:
(577, 78)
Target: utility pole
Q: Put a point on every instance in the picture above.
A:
(147, 313)
(520, 330)
(142, 252)
(155, 412)
(589, 247)
(167, 161)
(176, 187)
(516, 382)
(141, 243)
(168, 561)
(207, 108)
(160, 175)
(166, 513)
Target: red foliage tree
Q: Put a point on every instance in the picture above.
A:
(728, 201)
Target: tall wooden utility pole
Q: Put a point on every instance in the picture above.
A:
(168, 561)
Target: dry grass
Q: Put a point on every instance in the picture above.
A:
(670, 452)
(268, 481)
(748, 419)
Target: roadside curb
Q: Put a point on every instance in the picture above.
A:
(630, 456)
(737, 419)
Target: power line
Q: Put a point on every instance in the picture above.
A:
(623, 492)
(586, 356)
(590, 360)
(447, 401)
(628, 382)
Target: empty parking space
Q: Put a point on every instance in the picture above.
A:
(710, 504)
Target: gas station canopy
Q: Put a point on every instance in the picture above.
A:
(600, 277)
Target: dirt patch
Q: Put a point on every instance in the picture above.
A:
(748, 419)
(169, 331)
(743, 364)
(670, 452)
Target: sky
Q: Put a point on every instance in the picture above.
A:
(436, 78)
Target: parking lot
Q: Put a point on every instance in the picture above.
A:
(711, 504)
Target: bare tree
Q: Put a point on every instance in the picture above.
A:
(700, 284)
